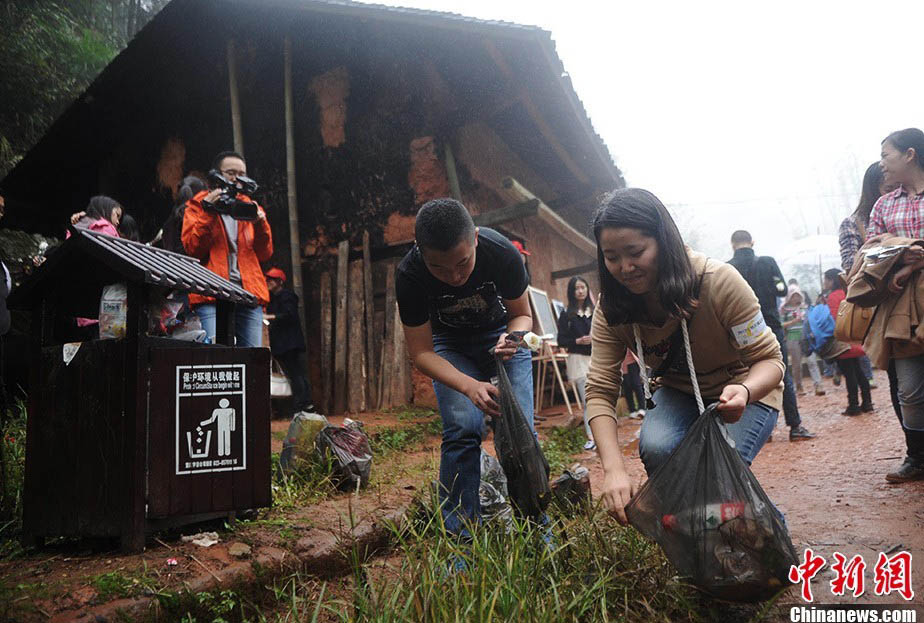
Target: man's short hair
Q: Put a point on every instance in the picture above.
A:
(216, 163)
(741, 237)
(442, 223)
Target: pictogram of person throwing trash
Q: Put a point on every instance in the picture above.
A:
(226, 419)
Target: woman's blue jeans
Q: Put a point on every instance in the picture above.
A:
(248, 324)
(665, 426)
(463, 422)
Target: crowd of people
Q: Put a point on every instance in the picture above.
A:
(672, 330)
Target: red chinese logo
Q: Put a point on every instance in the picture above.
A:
(894, 574)
(849, 575)
(806, 571)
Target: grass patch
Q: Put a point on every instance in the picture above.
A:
(116, 585)
(411, 412)
(400, 438)
(598, 571)
(308, 483)
(13, 447)
(560, 445)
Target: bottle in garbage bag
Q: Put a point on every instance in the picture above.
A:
(714, 515)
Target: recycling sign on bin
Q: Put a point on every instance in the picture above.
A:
(211, 418)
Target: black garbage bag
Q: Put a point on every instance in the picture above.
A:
(348, 450)
(519, 453)
(711, 517)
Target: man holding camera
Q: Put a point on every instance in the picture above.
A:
(229, 233)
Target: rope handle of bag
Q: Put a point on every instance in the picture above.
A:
(643, 372)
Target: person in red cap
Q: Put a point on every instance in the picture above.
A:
(287, 342)
(518, 245)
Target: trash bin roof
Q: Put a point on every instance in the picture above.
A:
(129, 261)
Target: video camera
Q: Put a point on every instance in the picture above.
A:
(227, 202)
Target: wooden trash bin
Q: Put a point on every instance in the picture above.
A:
(132, 435)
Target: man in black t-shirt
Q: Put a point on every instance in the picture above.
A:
(764, 276)
(460, 291)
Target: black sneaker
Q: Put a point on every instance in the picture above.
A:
(909, 470)
(867, 407)
(798, 433)
(852, 411)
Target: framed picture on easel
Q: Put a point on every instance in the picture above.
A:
(543, 317)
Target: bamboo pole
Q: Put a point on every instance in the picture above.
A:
(236, 127)
(295, 244)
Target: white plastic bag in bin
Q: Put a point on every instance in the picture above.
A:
(113, 311)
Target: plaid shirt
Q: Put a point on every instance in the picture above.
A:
(851, 239)
(898, 213)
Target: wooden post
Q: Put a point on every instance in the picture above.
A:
(385, 394)
(369, 304)
(340, 337)
(516, 192)
(451, 173)
(326, 353)
(356, 348)
(236, 127)
(294, 240)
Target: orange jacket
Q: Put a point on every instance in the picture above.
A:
(204, 237)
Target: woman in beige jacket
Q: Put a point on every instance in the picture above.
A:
(673, 306)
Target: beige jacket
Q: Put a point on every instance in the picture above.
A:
(727, 335)
(896, 331)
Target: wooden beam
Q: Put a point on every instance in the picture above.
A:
(523, 209)
(295, 244)
(577, 270)
(340, 335)
(236, 126)
(451, 173)
(388, 344)
(326, 363)
(515, 191)
(356, 343)
(368, 302)
(533, 111)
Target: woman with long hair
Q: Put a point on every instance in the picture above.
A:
(901, 213)
(102, 214)
(674, 307)
(852, 232)
(169, 235)
(574, 335)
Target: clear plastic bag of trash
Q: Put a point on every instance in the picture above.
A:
(711, 517)
(299, 445)
(519, 453)
(492, 492)
(350, 455)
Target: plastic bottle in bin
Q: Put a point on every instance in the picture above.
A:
(714, 515)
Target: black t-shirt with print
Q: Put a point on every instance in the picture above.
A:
(471, 308)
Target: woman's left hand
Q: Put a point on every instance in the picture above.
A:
(732, 403)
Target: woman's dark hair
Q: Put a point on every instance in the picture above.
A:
(909, 138)
(101, 206)
(128, 228)
(872, 180)
(834, 276)
(572, 298)
(639, 209)
(189, 188)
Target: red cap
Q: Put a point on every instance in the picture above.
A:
(520, 247)
(276, 273)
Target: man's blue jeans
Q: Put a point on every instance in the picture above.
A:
(665, 426)
(248, 324)
(463, 422)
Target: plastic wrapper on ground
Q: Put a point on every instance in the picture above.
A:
(492, 492)
(299, 445)
(348, 449)
(713, 520)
